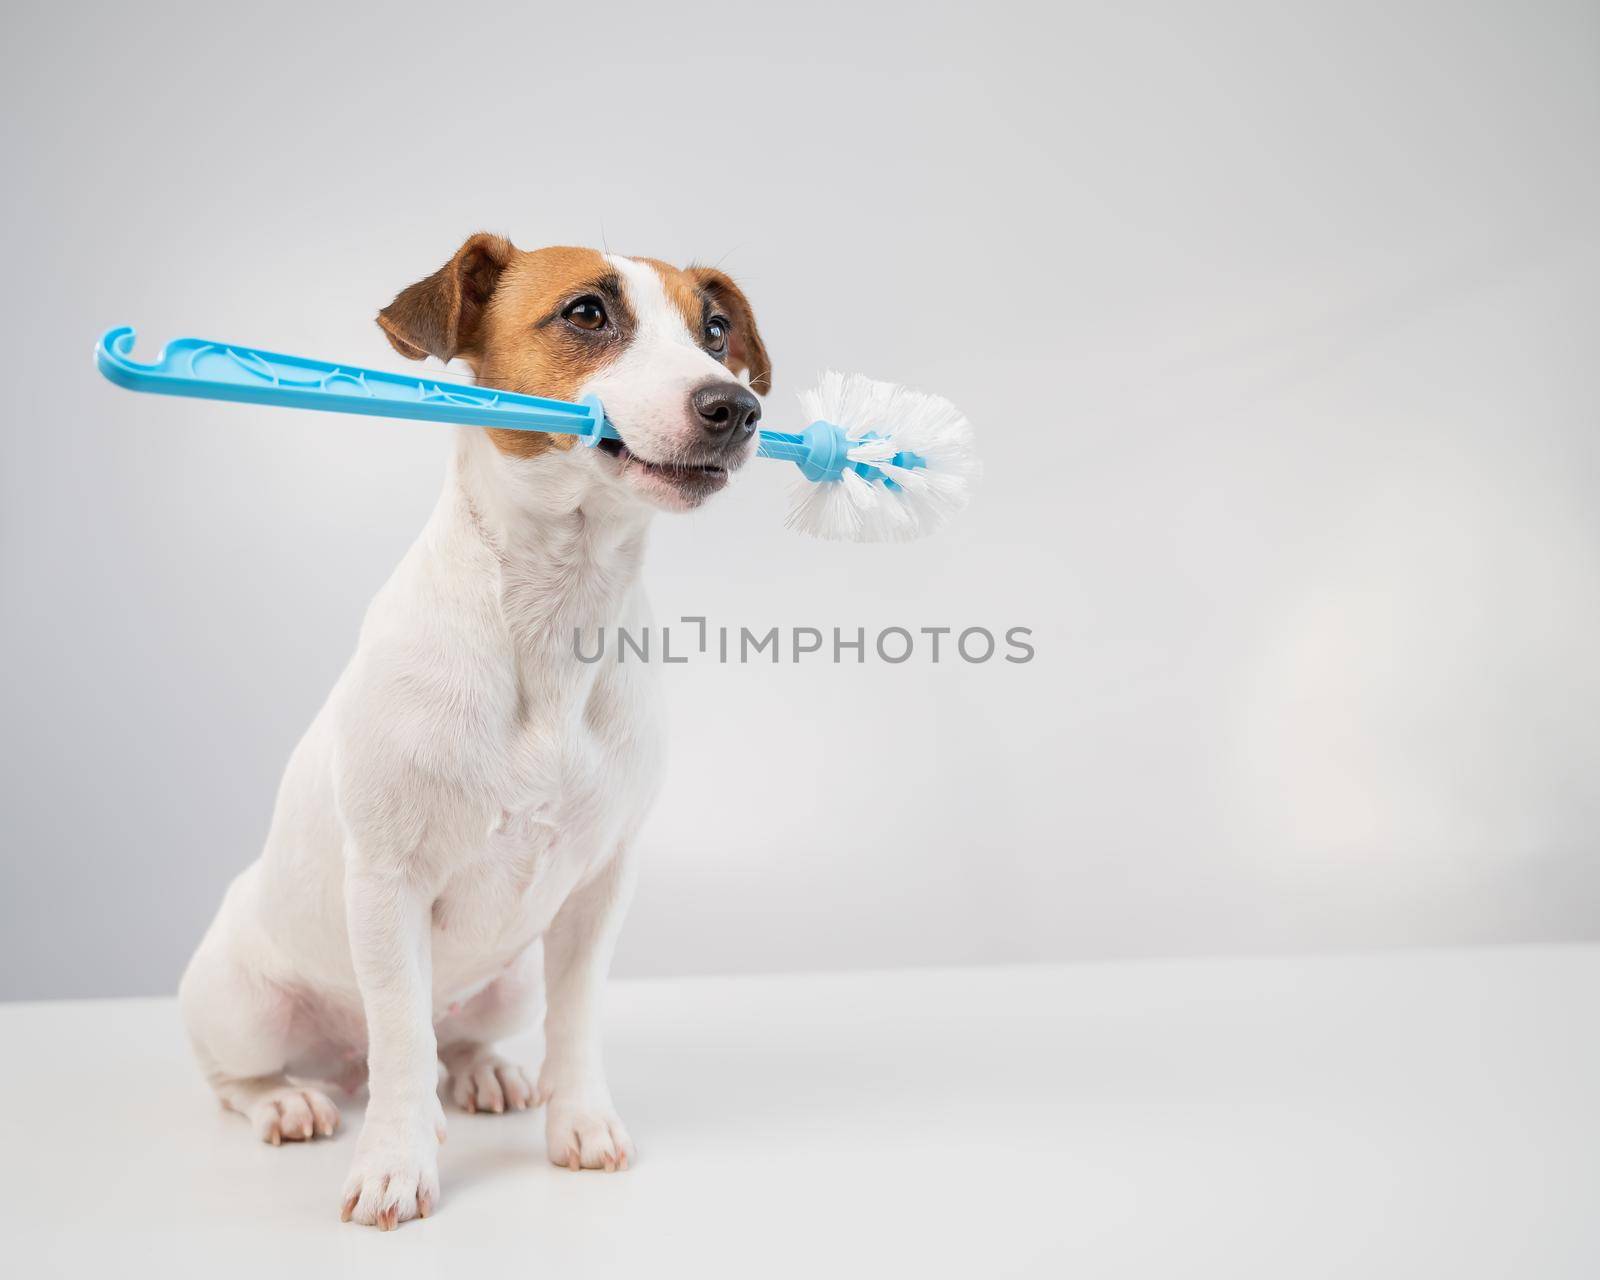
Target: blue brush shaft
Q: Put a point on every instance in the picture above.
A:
(784, 445)
(226, 371)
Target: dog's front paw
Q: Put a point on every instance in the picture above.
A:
(395, 1175)
(582, 1130)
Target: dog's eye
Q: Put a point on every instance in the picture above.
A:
(586, 313)
(717, 334)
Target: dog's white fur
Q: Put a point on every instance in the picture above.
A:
(469, 788)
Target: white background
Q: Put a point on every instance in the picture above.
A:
(1278, 322)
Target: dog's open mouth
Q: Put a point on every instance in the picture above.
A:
(699, 477)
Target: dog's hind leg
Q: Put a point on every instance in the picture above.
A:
(479, 1079)
(244, 1032)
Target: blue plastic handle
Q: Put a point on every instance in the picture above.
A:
(226, 371)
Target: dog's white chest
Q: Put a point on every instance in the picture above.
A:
(577, 786)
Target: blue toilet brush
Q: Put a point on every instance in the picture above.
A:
(880, 461)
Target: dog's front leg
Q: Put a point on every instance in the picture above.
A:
(396, 1171)
(582, 1128)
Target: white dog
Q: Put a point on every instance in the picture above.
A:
(470, 786)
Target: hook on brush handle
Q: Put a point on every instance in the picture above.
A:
(225, 371)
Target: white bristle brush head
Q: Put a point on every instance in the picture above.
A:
(855, 509)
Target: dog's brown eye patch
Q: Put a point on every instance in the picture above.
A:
(586, 313)
(558, 317)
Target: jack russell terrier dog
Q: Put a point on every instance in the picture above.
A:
(470, 787)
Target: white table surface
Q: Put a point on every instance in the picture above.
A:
(1409, 1115)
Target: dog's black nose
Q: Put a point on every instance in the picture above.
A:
(727, 411)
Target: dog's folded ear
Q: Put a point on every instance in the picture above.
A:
(440, 316)
(745, 348)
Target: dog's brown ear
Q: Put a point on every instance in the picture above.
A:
(745, 348)
(440, 316)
